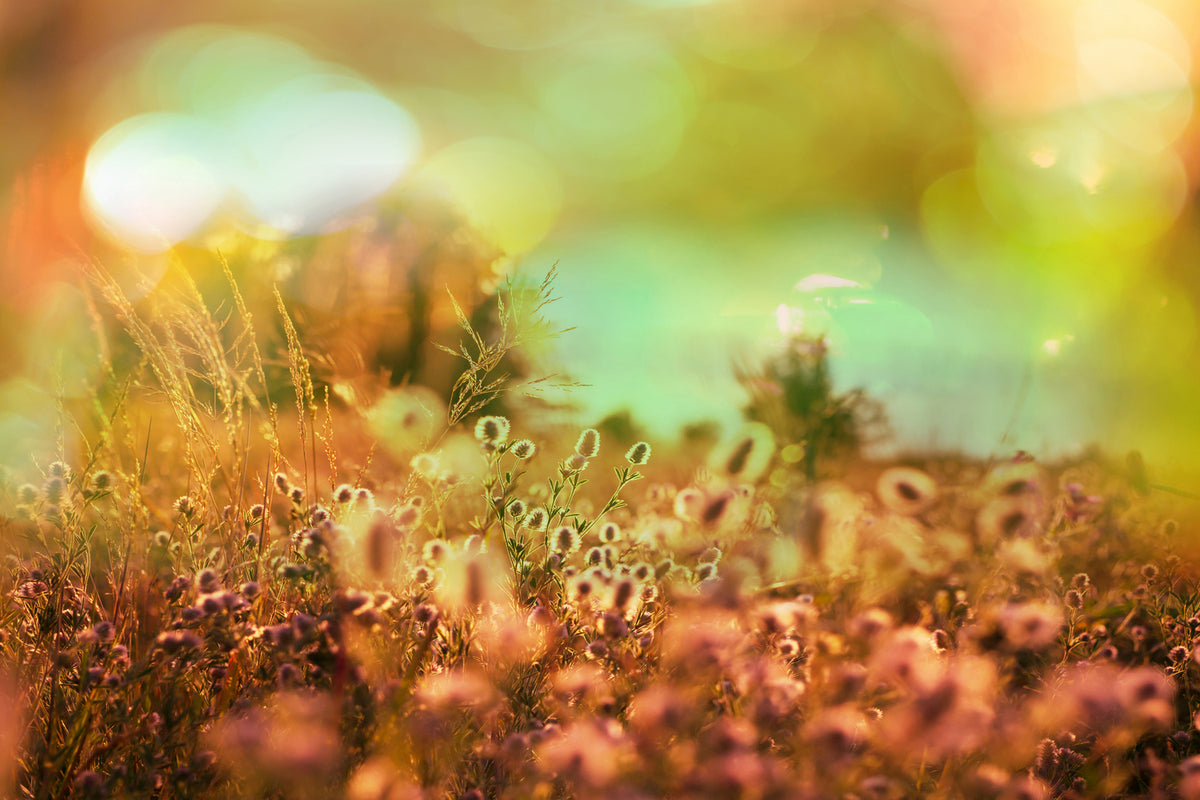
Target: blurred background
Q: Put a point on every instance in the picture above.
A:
(988, 208)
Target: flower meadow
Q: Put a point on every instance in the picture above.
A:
(243, 579)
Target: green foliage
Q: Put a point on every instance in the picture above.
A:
(793, 394)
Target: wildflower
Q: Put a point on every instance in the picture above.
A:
(474, 589)
(610, 532)
(1087, 698)
(658, 712)
(1030, 626)
(1189, 784)
(423, 575)
(642, 571)
(297, 495)
(905, 490)
(871, 623)
(706, 571)
(1016, 479)
(588, 444)
(363, 497)
(256, 511)
(715, 508)
(89, 783)
(343, 493)
(782, 617)
(878, 786)
(688, 503)
(639, 454)
(282, 484)
(835, 733)
(1025, 787)
(1149, 572)
(54, 489)
(1148, 695)
(536, 519)
(27, 494)
(379, 547)
(425, 465)
(1007, 517)
(292, 743)
(492, 430)
(711, 556)
(408, 516)
(907, 656)
(516, 509)
(288, 674)
(623, 592)
(565, 540)
(178, 586)
(950, 710)
(523, 449)
(250, 590)
(1074, 599)
(172, 642)
(59, 469)
(351, 601)
(436, 551)
(594, 556)
(425, 614)
(459, 689)
(102, 631)
(208, 581)
(575, 463)
(101, 481)
(30, 590)
(210, 605)
(597, 649)
(303, 625)
(583, 588)
(586, 752)
(740, 456)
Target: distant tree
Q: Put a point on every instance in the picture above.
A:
(792, 393)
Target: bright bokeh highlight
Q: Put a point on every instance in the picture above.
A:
(278, 142)
(508, 190)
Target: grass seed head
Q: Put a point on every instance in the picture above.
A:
(523, 449)
(588, 444)
(639, 454)
(536, 519)
(565, 540)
